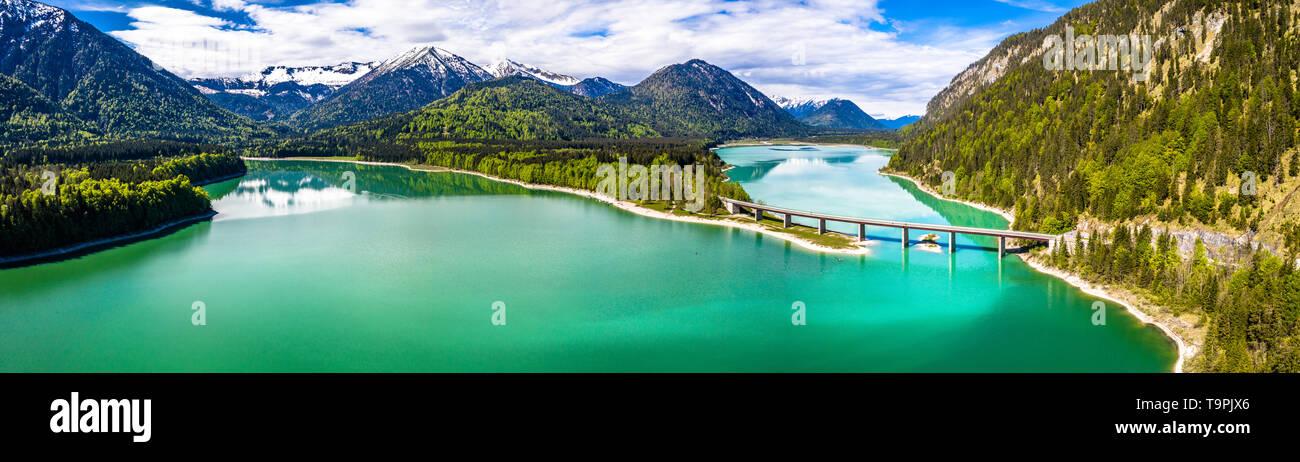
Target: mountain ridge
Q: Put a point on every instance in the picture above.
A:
(104, 83)
(801, 107)
(843, 114)
(507, 67)
(403, 83)
(277, 92)
(698, 98)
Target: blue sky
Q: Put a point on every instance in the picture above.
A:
(889, 56)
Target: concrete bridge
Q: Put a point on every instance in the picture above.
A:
(757, 211)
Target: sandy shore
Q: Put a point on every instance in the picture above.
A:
(734, 221)
(1185, 349)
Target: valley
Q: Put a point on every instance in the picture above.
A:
(1172, 192)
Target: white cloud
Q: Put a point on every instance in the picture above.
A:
(624, 40)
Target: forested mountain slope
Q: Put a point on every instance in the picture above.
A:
(29, 117)
(697, 98)
(403, 83)
(1204, 147)
(842, 113)
(1220, 102)
(519, 108)
(103, 82)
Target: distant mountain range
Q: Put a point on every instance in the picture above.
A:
(799, 108)
(689, 99)
(895, 124)
(65, 80)
(404, 83)
(842, 113)
(591, 87)
(696, 97)
(508, 68)
(279, 91)
(681, 100)
(87, 76)
(830, 113)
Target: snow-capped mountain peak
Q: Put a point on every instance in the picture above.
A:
(31, 15)
(788, 103)
(332, 76)
(278, 91)
(434, 60)
(800, 107)
(509, 67)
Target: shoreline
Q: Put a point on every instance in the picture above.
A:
(77, 249)
(1185, 351)
(74, 250)
(860, 248)
(220, 179)
(797, 143)
(1006, 214)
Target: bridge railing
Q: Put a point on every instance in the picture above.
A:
(736, 206)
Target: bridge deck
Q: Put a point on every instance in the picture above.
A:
(897, 224)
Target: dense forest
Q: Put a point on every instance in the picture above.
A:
(103, 150)
(47, 206)
(1056, 146)
(524, 109)
(29, 117)
(1252, 310)
(1208, 140)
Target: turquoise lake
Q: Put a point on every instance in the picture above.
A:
(299, 272)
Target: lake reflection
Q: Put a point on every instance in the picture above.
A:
(268, 194)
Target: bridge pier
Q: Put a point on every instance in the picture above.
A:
(787, 217)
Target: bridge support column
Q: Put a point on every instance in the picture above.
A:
(821, 226)
(952, 242)
(1002, 246)
(904, 238)
(788, 221)
(862, 232)
(758, 214)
